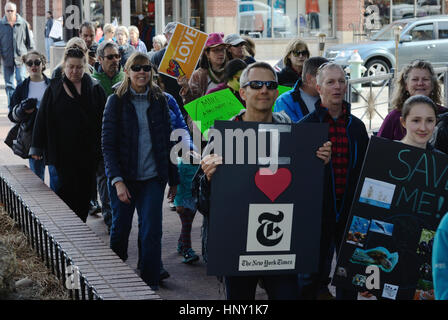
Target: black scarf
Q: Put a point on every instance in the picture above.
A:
(87, 109)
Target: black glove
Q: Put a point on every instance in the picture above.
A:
(29, 103)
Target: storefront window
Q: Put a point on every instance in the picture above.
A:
(115, 12)
(97, 11)
(285, 18)
(378, 13)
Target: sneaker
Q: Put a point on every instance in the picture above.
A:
(190, 256)
(172, 206)
(180, 250)
(94, 207)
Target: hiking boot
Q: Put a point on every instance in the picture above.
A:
(164, 274)
(190, 256)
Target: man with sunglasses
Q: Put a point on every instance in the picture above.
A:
(300, 100)
(108, 72)
(349, 143)
(15, 41)
(259, 90)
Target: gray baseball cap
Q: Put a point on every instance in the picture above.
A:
(233, 39)
(169, 28)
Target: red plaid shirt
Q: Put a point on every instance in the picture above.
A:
(337, 134)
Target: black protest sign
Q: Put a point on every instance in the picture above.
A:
(400, 199)
(260, 222)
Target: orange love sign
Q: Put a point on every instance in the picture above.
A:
(183, 52)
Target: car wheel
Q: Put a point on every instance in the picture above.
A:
(377, 67)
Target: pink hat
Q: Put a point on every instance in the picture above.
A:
(215, 39)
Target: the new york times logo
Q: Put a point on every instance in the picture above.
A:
(269, 233)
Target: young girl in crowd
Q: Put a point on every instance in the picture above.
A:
(186, 206)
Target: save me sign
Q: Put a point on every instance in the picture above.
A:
(402, 195)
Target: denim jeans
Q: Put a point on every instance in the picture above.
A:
(48, 43)
(147, 198)
(8, 74)
(38, 167)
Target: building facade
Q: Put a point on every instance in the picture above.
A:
(271, 23)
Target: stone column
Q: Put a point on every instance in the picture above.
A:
(38, 24)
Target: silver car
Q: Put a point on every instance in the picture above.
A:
(421, 38)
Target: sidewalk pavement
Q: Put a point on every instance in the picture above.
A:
(186, 282)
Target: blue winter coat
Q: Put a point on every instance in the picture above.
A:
(120, 138)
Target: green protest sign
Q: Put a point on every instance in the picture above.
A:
(219, 105)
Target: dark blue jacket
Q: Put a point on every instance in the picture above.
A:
(21, 93)
(358, 141)
(120, 138)
(292, 103)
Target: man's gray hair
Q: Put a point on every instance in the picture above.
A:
(326, 66)
(12, 4)
(262, 65)
(104, 45)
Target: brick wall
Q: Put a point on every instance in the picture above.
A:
(219, 8)
(347, 11)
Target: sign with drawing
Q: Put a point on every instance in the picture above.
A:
(261, 218)
(399, 202)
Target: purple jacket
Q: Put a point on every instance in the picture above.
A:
(392, 128)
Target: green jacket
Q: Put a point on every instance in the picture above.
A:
(106, 82)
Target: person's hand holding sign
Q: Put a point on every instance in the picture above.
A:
(209, 164)
(183, 81)
(324, 152)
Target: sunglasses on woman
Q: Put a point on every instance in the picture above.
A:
(258, 84)
(35, 62)
(298, 53)
(138, 67)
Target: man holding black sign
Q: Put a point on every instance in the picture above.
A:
(349, 140)
(259, 91)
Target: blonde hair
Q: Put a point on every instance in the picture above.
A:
(294, 45)
(134, 29)
(76, 43)
(122, 29)
(108, 27)
(138, 58)
(400, 93)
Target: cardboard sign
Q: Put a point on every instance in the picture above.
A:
(219, 105)
(265, 222)
(400, 199)
(183, 51)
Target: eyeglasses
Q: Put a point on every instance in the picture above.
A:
(298, 53)
(35, 62)
(112, 56)
(258, 84)
(138, 67)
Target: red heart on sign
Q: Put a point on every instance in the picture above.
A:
(273, 185)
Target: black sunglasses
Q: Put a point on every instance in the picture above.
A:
(138, 67)
(113, 56)
(258, 84)
(35, 62)
(298, 53)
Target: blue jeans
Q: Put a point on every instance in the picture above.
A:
(147, 198)
(38, 167)
(8, 74)
(48, 43)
